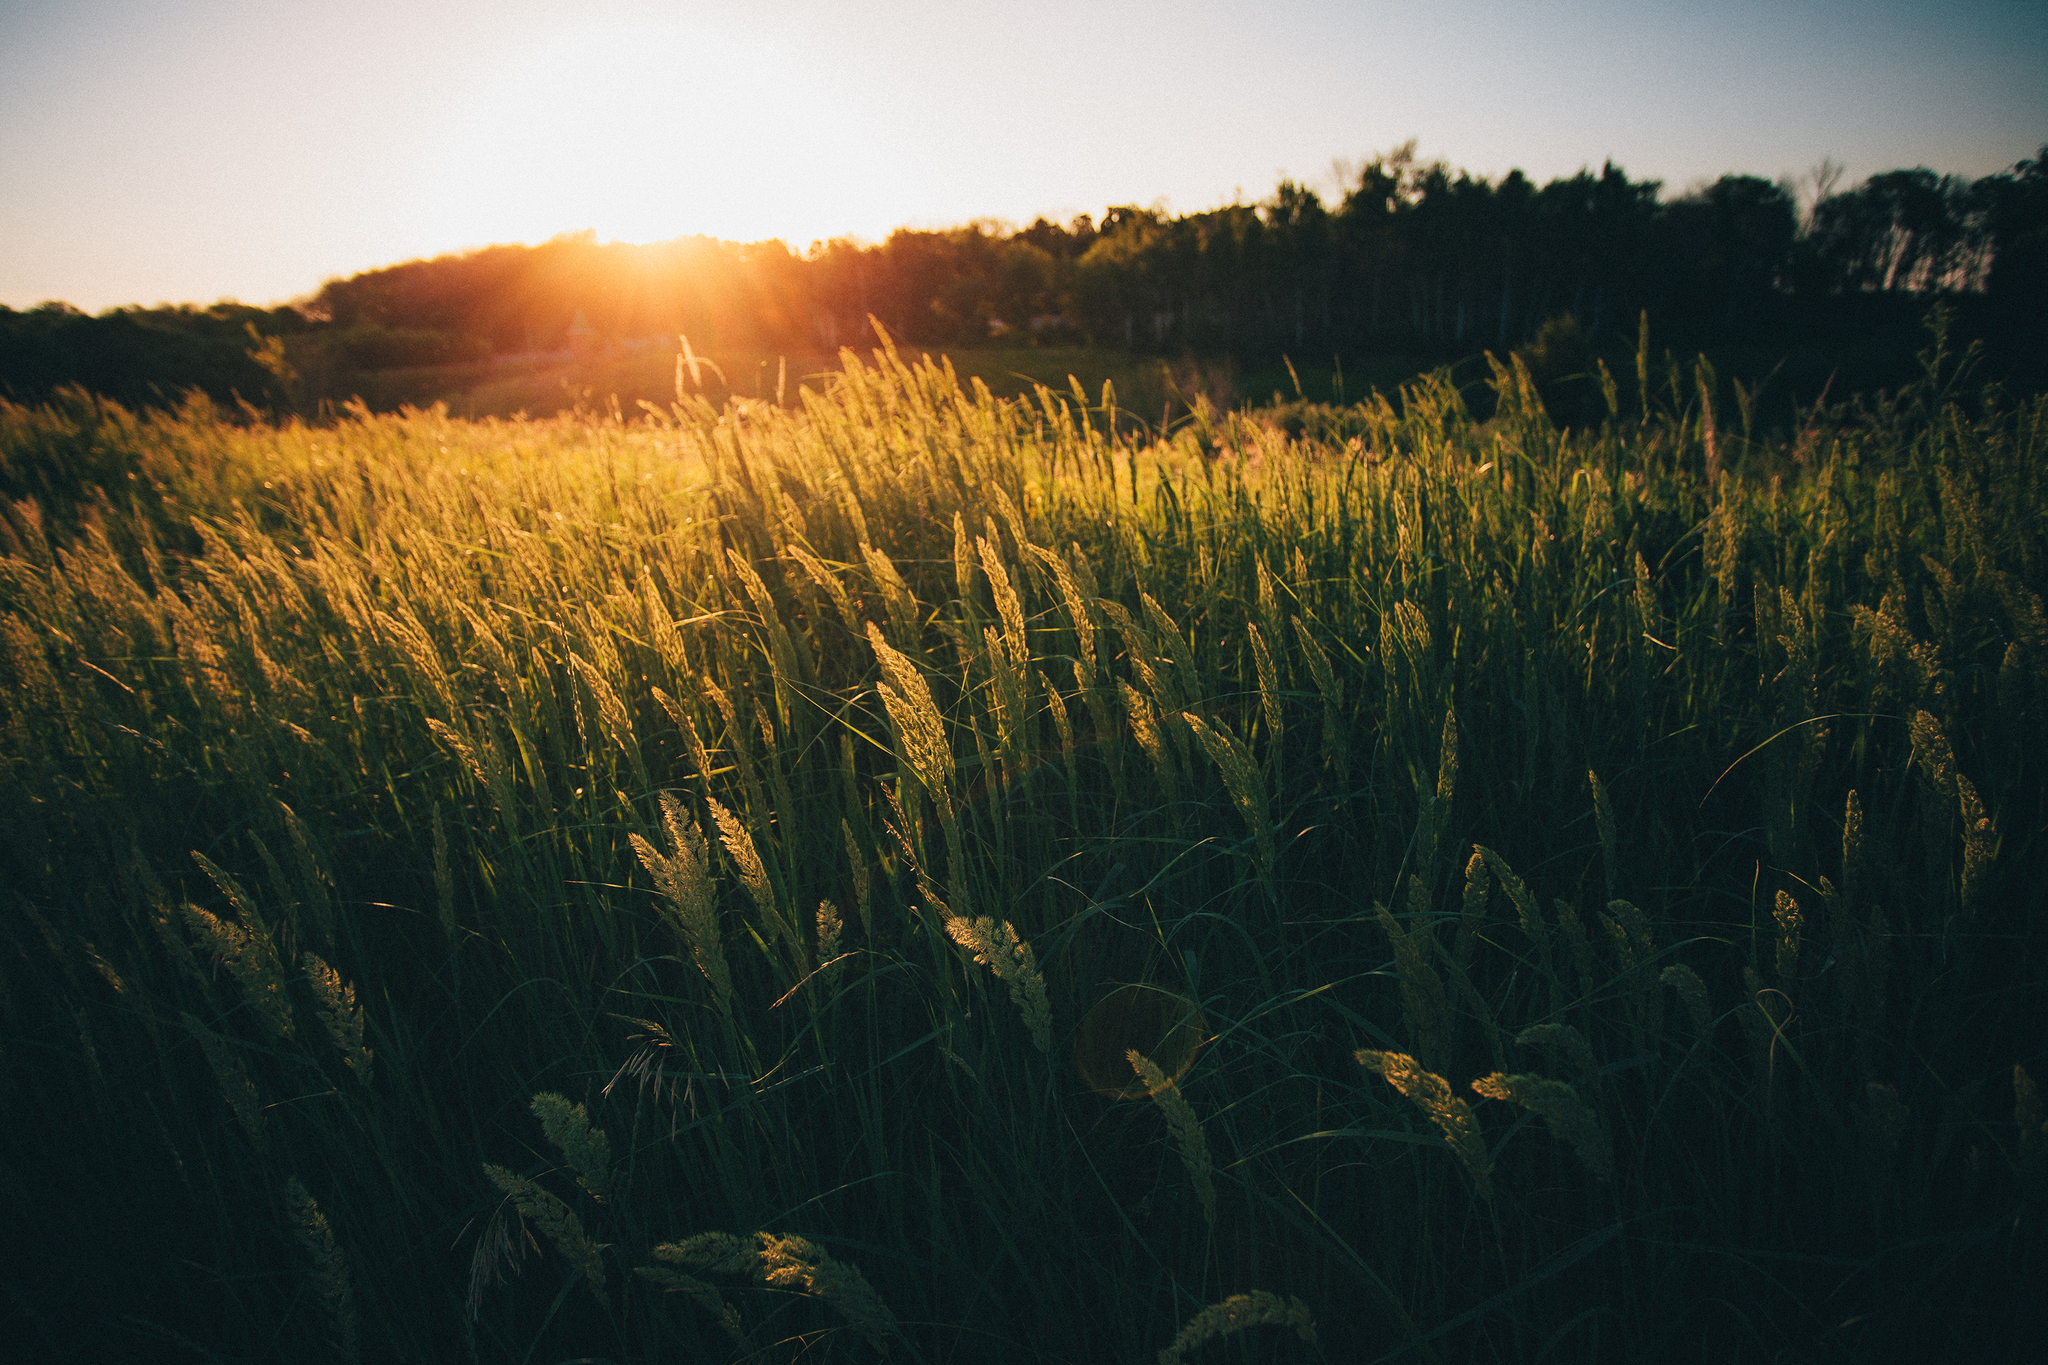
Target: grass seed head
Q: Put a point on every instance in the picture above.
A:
(1258, 1308)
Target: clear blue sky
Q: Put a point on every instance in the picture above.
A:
(154, 151)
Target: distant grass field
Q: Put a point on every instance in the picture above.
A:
(598, 890)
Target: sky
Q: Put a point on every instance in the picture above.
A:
(153, 151)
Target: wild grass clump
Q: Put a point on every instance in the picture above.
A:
(552, 841)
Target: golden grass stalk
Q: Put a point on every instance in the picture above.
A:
(1980, 841)
(1603, 820)
(1008, 605)
(587, 1150)
(1563, 1110)
(1009, 957)
(1565, 1048)
(1692, 992)
(235, 1086)
(862, 892)
(1259, 1308)
(829, 931)
(339, 1014)
(250, 957)
(1436, 812)
(795, 1264)
(1432, 1094)
(1581, 946)
(1525, 903)
(1145, 726)
(1472, 910)
(920, 730)
(684, 879)
(1336, 748)
(1790, 923)
(1423, 1006)
(1852, 849)
(330, 1266)
(704, 1295)
(1078, 617)
(1183, 1125)
(1241, 778)
(746, 861)
(558, 1221)
(1270, 709)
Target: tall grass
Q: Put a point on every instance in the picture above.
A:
(579, 889)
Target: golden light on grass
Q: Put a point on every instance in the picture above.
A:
(1166, 1027)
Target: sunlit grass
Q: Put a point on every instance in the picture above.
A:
(598, 889)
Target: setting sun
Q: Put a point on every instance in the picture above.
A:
(640, 126)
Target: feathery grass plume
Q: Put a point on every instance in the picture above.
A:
(1078, 618)
(1472, 911)
(1259, 1308)
(1270, 709)
(559, 1222)
(700, 758)
(1582, 947)
(1980, 842)
(1852, 849)
(1422, 990)
(1432, 1094)
(829, 929)
(164, 921)
(1603, 819)
(1167, 632)
(684, 879)
(897, 600)
(587, 1150)
(444, 878)
(795, 1264)
(252, 959)
(1564, 1111)
(1565, 1048)
(920, 730)
(1335, 747)
(235, 1086)
(1009, 606)
(1525, 903)
(700, 1293)
(313, 883)
(827, 580)
(1435, 816)
(339, 1014)
(963, 559)
(330, 1266)
(1009, 957)
(1241, 778)
(1692, 992)
(746, 861)
(1182, 1123)
(1937, 761)
(1145, 726)
(1790, 923)
(861, 891)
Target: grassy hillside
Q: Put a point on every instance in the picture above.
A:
(584, 890)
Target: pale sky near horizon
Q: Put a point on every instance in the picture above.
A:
(193, 150)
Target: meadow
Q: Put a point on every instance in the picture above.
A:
(918, 873)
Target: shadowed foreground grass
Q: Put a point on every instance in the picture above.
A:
(583, 890)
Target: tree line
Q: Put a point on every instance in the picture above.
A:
(1411, 256)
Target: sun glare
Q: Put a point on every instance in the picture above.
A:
(647, 131)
